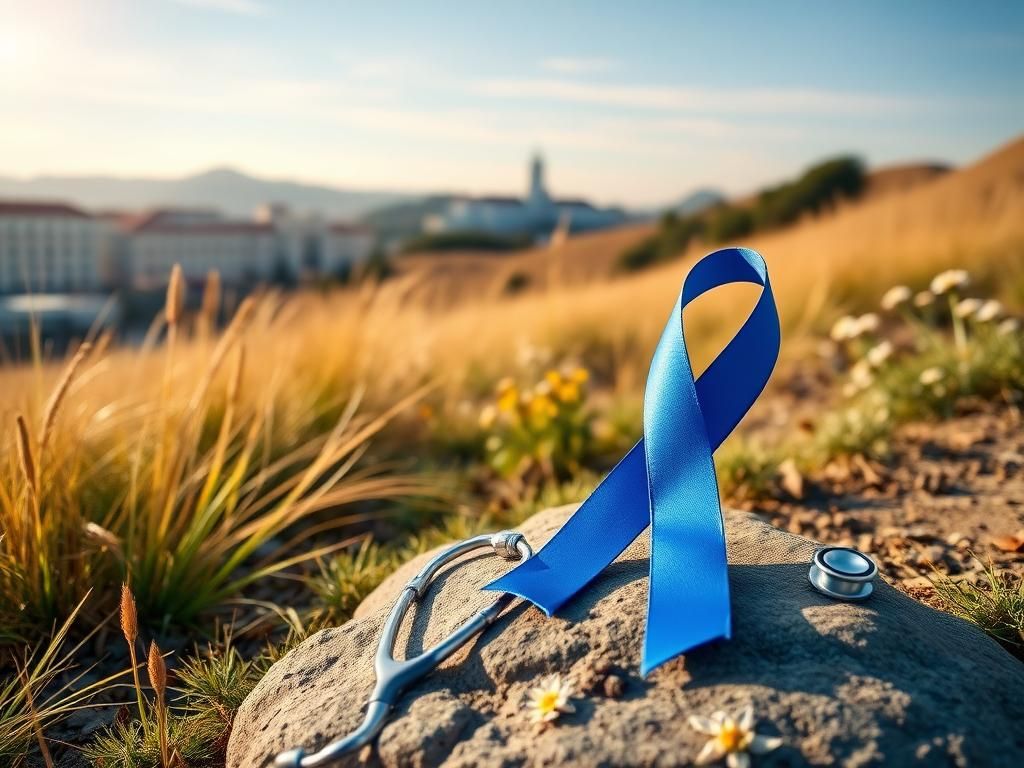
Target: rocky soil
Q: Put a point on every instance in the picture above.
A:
(889, 681)
(949, 500)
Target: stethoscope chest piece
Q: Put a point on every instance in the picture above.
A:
(842, 573)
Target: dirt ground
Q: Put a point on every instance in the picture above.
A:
(949, 499)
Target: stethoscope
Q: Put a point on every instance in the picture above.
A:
(841, 573)
(394, 676)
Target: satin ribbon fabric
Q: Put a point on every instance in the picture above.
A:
(667, 480)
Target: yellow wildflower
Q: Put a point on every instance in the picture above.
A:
(568, 392)
(508, 399)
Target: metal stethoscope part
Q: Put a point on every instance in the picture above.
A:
(393, 676)
(842, 573)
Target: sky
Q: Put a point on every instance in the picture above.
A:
(629, 102)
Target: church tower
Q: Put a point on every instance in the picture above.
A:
(538, 197)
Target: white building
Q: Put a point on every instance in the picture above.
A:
(309, 245)
(200, 241)
(50, 248)
(57, 248)
(537, 214)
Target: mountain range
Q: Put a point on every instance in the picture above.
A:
(227, 189)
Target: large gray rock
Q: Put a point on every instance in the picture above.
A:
(887, 681)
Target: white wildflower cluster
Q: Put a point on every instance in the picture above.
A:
(848, 328)
(866, 351)
(949, 281)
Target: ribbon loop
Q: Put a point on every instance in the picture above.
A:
(667, 480)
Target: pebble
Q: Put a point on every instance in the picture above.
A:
(614, 686)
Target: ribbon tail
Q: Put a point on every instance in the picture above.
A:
(604, 525)
(688, 596)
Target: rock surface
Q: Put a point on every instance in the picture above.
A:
(887, 681)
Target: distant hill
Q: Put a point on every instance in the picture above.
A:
(913, 224)
(231, 191)
(698, 201)
(897, 178)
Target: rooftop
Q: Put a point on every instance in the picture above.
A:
(40, 208)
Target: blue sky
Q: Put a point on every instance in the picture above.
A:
(629, 102)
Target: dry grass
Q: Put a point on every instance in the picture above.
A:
(169, 465)
(45, 690)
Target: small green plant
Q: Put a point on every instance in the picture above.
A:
(350, 576)
(997, 607)
(128, 744)
(543, 430)
(747, 470)
(193, 732)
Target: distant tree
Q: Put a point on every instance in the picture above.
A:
(729, 223)
(281, 274)
(638, 256)
(466, 240)
(377, 266)
(818, 187)
(517, 282)
(343, 271)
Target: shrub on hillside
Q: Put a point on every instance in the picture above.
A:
(467, 240)
(820, 186)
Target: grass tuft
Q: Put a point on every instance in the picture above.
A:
(997, 606)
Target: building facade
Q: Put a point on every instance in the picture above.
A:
(537, 214)
(200, 241)
(51, 248)
(58, 248)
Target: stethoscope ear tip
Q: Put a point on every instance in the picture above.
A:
(290, 759)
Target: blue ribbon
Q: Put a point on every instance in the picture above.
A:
(667, 480)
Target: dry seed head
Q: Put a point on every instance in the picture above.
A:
(244, 314)
(157, 670)
(102, 536)
(61, 390)
(129, 618)
(175, 296)
(235, 383)
(211, 295)
(28, 464)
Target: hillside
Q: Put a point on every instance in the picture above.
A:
(914, 217)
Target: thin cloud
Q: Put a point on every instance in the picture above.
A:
(239, 7)
(656, 97)
(571, 65)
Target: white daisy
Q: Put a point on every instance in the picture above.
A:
(967, 307)
(861, 375)
(988, 311)
(949, 280)
(923, 299)
(550, 699)
(879, 353)
(733, 739)
(930, 376)
(845, 328)
(895, 297)
(867, 323)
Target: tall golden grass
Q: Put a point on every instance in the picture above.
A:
(165, 469)
(171, 465)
